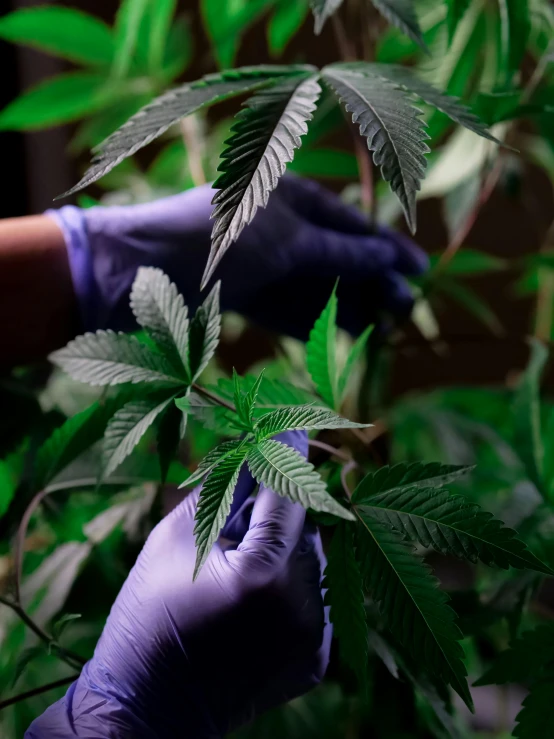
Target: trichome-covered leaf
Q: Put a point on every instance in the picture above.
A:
(321, 352)
(414, 609)
(345, 595)
(305, 417)
(267, 132)
(161, 311)
(402, 14)
(406, 475)
(287, 472)
(392, 125)
(323, 9)
(204, 332)
(215, 501)
(213, 457)
(109, 358)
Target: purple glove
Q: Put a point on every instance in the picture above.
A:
(280, 272)
(183, 659)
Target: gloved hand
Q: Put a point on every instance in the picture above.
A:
(183, 659)
(280, 272)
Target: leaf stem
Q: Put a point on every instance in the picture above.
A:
(38, 691)
(212, 396)
(333, 451)
(346, 469)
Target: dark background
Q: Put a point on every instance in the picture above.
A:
(36, 168)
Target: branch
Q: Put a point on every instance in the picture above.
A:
(38, 691)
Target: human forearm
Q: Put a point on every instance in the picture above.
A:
(38, 307)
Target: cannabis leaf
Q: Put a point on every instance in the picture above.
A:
(204, 332)
(392, 125)
(402, 14)
(345, 595)
(451, 525)
(301, 417)
(271, 393)
(284, 470)
(515, 24)
(415, 610)
(456, 9)
(109, 358)
(406, 475)
(127, 428)
(161, 311)
(263, 142)
(156, 117)
(214, 503)
(213, 457)
(353, 358)
(245, 402)
(537, 712)
(321, 350)
(210, 413)
(527, 414)
(525, 660)
(323, 9)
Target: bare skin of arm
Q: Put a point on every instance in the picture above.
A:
(38, 307)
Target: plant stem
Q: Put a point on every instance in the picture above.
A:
(192, 138)
(333, 451)
(212, 396)
(38, 691)
(346, 469)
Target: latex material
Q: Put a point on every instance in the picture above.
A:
(183, 659)
(280, 272)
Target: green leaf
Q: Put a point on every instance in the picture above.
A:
(205, 328)
(171, 430)
(244, 402)
(469, 262)
(65, 32)
(456, 10)
(472, 303)
(321, 351)
(263, 141)
(402, 14)
(406, 476)
(215, 456)
(24, 660)
(527, 415)
(392, 125)
(345, 595)
(56, 100)
(107, 358)
(288, 473)
(414, 609)
(451, 525)
(127, 26)
(325, 162)
(161, 13)
(272, 394)
(156, 117)
(287, 18)
(537, 713)
(127, 428)
(323, 9)
(212, 415)
(354, 356)
(305, 417)
(215, 501)
(526, 659)
(515, 27)
(62, 623)
(73, 438)
(161, 311)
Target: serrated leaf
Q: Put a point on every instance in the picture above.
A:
(402, 14)
(72, 438)
(345, 595)
(62, 623)
(213, 457)
(452, 525)
(415, 610)
(245, 402)
(354, 356)
(109, 358)
(537, 715)
(156, 117)
(272, 394)
(305, 417)
(65, 32)
(215, 501)
(456, 9)
(212, 415)
(161, 311)
(392, 125)
(263, 140)
(321, 351)
(282, 469)
(525, 660)
(527, 414)
(323, 9)
(205, 328)
(406, 475)
(127, 428)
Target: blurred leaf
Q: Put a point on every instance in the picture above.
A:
(458, 205)
(472, 303)
(127, 26)
(287, 18)
(226, 22)
(322, 10)
(179, 49)
(402, 14)
(160, 15)
(455, 13)
(324, 163)
(104, 122)
(525, 660)
(24, 659)
(62, 623)
(527, 415)
(56, 100)
(470, 262)
(537, 712)
(65, 32)
(170, 168)
(494, 107)
(355, 354)
(515, 29)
